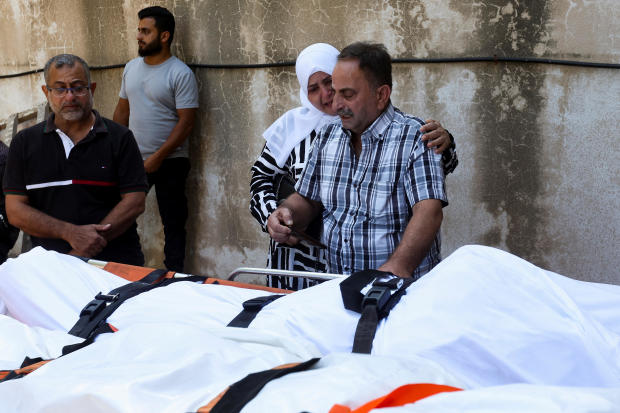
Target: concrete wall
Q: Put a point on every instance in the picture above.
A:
(538, 144)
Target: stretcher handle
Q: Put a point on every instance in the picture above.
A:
(294, 274)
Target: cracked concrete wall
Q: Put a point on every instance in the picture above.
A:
(539, 158)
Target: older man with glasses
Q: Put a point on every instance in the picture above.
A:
(76, 182)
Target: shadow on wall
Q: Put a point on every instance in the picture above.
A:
(510, 162)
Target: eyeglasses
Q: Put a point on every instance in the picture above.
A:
(61, 91)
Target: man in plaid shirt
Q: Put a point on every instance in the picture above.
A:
(379, 188)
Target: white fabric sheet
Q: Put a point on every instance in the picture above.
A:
(514, 336)
(46, 289)
(18, 341)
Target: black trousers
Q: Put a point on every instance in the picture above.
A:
(169, 181)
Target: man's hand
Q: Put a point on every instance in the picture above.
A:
(393, 269)
(152, 164)
(86, 240)
(177, 136)
(435, 136)
(279, 226)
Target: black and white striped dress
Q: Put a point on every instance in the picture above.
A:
(302, 257)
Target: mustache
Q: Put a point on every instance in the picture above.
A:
(72, 103)
(344, 112)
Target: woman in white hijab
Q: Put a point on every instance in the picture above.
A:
(288, 145)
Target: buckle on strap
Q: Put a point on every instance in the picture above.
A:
(106, 297)
(97, 305)
(377, 296)
(381, 291)
(257, 303)
(393, 282)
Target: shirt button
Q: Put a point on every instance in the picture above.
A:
(346, 240)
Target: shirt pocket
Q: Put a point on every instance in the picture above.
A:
(376, 200)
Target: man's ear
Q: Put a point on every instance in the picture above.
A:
(383, 95)
(44, 89)
(93, 85)
(165, 37)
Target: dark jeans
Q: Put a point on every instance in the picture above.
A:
(169, 181)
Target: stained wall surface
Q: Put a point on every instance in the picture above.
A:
(539, 172)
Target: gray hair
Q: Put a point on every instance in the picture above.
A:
(65, 59)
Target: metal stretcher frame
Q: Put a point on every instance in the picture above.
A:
(235, 273)
(134, 273)
(286, 273)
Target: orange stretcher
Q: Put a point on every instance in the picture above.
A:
(134, 273)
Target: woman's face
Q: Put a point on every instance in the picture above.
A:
(320, 92)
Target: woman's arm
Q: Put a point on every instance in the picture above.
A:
(263, 199)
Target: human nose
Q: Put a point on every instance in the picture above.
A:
(337, 102)
(327, 92)
(327, 89)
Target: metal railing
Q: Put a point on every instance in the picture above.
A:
(293, 274)
(8, 129)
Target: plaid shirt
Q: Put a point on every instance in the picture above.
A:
(368, 200)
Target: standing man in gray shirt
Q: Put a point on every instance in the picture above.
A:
(158, 101)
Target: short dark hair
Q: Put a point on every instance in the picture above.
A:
(65, 60)
(374, 60)
(164, 20)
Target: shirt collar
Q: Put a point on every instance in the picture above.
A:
(382, 123)
(378, 128)
(98, 127)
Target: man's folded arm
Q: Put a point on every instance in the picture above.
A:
(86, 240)
(124, 214)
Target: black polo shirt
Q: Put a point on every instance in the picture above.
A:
(83, 188)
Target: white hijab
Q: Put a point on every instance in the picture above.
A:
(292, 127)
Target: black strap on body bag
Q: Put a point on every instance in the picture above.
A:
(251, 308)
(373, 294)
(242, 392)
(95, 313)
(93, 316)
(6, 375)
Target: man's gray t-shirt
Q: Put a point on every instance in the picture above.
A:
(155, 92)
